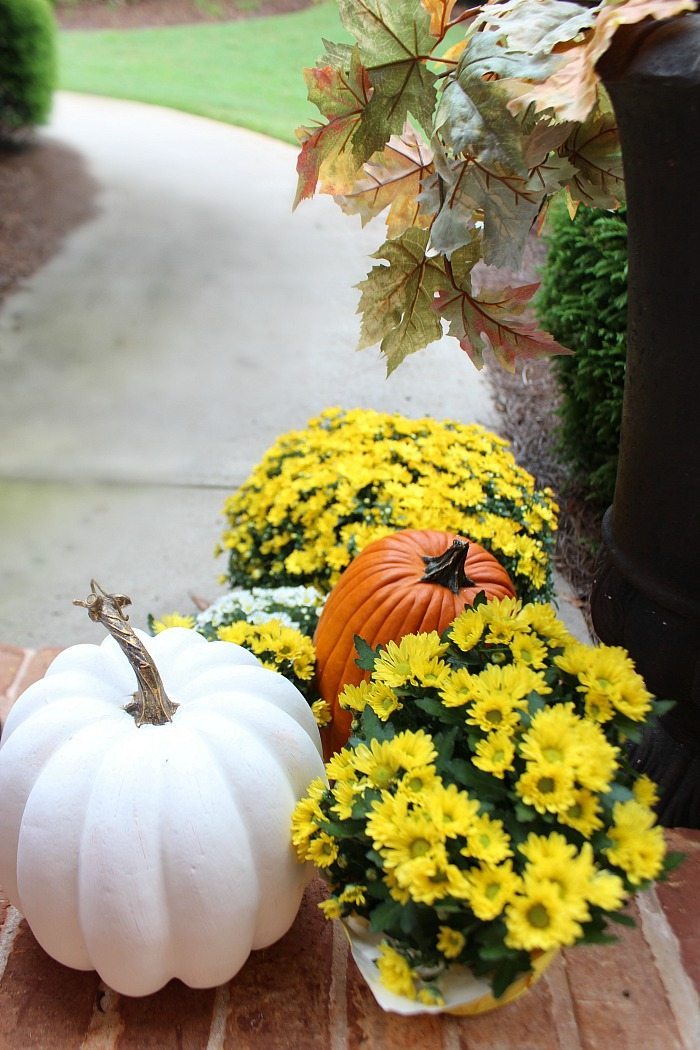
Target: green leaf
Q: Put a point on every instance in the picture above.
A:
(347, 830)
(366, 655)
(385, 916)
(672, 861)
(395, 41)
(397, 299)
(621, 918)
(523, 813)
(431, 706)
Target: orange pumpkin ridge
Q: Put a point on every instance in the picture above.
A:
(416, 580)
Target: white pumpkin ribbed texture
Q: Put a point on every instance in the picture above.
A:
(158, 851)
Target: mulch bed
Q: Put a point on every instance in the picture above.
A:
(45, 192)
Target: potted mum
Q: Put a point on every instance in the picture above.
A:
(483, 814)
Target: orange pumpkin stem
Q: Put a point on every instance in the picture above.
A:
(448, 569)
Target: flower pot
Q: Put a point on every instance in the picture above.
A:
(464, 994)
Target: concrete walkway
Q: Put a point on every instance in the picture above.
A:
(147, 367)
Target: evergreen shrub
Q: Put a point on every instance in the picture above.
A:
(583, 303)
(27, 63)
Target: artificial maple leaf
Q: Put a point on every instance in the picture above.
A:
(506, 203)
(395, 44)
(494, 319)
(473, 119)
(571, 92)
(397, 299)
(393, 180)
(341, 92)
(593, 148)
(440, 12)
(536, 27)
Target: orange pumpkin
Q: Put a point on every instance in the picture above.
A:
(404, 583)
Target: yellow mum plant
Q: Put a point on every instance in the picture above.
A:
(484, 812)
(321, 494)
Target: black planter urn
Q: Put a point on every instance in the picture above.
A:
(646, 595)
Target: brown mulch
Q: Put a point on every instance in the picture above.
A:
(527, 403)
(122, 14)
(45, 191)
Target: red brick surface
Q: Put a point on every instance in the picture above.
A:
(305, 993)
(680, 900)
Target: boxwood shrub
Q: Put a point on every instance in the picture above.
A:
(27, 63)
(583, 303)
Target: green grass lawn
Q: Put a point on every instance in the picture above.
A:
(247, 73)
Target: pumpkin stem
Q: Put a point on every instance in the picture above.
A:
(150, 703)
(448, 569)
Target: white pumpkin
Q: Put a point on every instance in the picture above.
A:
(154, 851)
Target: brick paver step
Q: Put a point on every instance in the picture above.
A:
(305, 991)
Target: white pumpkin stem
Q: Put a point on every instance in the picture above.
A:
(150, 703)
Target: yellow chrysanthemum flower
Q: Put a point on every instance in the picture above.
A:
(646, 791)
(596, 762)
(331, 908)
(381, 762)
(450, 809)
(467, 629)
(497, 710)
(322, 850)
(383, 701)
(638, 844)
(353, 894)
(345, 794)
(400, 841)
(321, 712)
(495, 754)
(341, 766)
(502, 619)
(544, 620)
(430, 996)
(395, 973)
(538, 917)
(415, 660)
(570, 874)
(417, 781)
(606, 890)
(553, 736)
(487, 840)
(528, 649)
(355, 697)
(456, 689)
(431, 878)
(549, 787)
(491, 887)
(415, 748)
(584, 814)
(173, 619)
(238, 632)
(450, 943)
